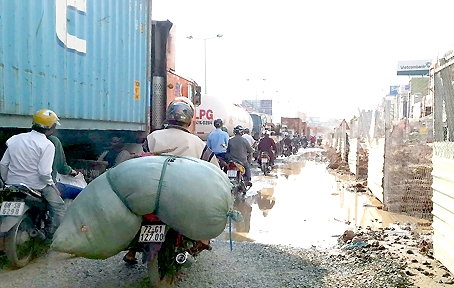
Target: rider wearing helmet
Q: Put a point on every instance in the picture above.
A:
(239, 149)
(177, 140)
(295, 141)
(251, 142)
(28, 160)
(176, 136)
(218, 140)
(248, 137)
(267, 144)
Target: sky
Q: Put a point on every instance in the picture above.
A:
(324, 58)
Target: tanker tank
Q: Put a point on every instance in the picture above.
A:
(213, 108)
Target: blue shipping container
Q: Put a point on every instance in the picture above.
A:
(85, 59)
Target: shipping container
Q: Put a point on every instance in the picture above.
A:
(293, 124)
(86, 60)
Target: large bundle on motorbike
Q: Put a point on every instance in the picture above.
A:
(190, 195)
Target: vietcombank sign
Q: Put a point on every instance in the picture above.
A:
(414, 67)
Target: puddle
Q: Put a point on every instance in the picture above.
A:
(292, 207)
(301, 204)
(363, 209)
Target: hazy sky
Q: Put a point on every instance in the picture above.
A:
(326, 57)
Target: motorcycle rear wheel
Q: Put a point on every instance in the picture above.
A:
(19, 243)
(265, 169)
(153, 271)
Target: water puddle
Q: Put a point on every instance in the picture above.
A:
(293, 206)
(364, 210)
(301, 204)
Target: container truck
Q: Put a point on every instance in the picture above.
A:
(293, 125)
(213, 108)
(261, 122)
(104, 67)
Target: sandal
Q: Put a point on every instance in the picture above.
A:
(129, 261)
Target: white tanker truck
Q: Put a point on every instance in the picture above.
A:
(213, 108)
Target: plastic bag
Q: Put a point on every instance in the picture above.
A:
(97, 224)
(78, 180)
(194, 199)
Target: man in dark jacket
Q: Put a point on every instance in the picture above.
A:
(239, 149)
(267, 145)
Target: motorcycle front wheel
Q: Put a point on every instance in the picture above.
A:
(19, 243)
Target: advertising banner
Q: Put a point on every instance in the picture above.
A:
(413, 67)
(261, 106)
(394, 90)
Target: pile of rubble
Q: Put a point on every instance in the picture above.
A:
(402, 244)
(336, 162)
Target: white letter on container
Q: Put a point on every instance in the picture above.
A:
(70, 41)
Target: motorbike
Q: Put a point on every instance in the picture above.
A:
(255, 154)
(286, 151)
(165, 250)
(222, 163)
(295, 149)
(237, 175)
(24, 222)
(265, 163)
(304, 144)
(319, 142)
(312, 144)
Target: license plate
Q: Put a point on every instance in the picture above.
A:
(12, 209)
(265, 160)
(152, 233)
(231, 173)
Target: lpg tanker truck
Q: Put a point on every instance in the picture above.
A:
(213, 108)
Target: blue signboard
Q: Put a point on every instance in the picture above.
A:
(394, 90)
(266, 103)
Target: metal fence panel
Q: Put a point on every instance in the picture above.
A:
(375, 167)
(352, 154)
(407, 170)
(443, 201)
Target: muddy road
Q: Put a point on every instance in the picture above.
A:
(293, 205)
(299, 204)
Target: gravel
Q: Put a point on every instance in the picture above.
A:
(248, 265)
(387, 259)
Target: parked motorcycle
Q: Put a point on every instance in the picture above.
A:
(265, 162)
(319, 142)
(237, 175)
(165, 250)
(312, 144)
(304, 144)
(24, 218)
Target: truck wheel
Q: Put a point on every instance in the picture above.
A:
(19, 243)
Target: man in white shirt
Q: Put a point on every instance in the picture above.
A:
(28, 160)
(251, 142)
